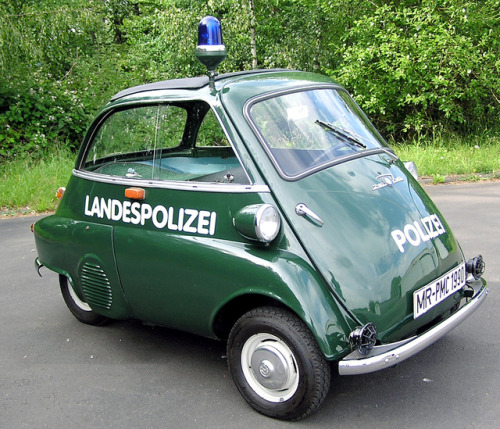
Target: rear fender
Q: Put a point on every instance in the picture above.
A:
(67, 247)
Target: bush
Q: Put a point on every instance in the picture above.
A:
(416, 69)
(38, 115)
(56, 64)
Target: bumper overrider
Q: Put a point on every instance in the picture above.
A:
(363, 361)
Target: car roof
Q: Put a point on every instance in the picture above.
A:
(191, 83)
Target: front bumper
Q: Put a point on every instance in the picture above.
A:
(388, 355)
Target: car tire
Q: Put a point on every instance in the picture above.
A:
(80, 309)
(277, 364)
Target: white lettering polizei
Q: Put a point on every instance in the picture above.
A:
(418, 232)
(399, 238)
(187, 220)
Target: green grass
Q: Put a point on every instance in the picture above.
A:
(29, 186)
(438, 158)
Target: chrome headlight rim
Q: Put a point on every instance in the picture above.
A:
(267, 223)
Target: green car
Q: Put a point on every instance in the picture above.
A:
(261, 208)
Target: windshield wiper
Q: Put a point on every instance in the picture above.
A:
(345, 134)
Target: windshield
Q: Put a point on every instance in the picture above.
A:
(303, 131)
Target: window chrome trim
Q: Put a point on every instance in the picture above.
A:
(326, 165)
(228, 188)
(112, 109)
(292, 178)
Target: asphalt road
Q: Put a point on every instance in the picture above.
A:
(56, 372)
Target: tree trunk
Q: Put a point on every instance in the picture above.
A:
(253, 45)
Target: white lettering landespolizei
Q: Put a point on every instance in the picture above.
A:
(183, 219)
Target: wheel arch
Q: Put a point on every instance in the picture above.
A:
(232, 310)
(326, 320)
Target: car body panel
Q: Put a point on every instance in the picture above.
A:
(336, 275)
(166, 282)
(354, 249)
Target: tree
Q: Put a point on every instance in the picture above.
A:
(426, 68)
(415, 66)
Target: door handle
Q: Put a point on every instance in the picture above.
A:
(304, 211)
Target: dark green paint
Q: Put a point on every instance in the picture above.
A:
(345, 273)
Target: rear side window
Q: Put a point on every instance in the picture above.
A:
(210, 133)
(164, 142)
(129, 142)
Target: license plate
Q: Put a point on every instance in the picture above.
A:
(431, 295)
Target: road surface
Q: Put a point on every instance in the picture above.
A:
(56, 372)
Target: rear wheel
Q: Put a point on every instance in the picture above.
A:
(80, 309)
(277, 365)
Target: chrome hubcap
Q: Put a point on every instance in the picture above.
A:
(270, 367)
(266, 369)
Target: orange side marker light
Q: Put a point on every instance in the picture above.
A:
(135, 193)
(60, 192)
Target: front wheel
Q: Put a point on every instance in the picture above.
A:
(277, 365)
(80, 309)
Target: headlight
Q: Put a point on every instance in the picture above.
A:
(260, 222)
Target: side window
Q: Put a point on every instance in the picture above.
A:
(216, 158)
(210, 132)
(150, 142)
(123, 132)
(129, 142)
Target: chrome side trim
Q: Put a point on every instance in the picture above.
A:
(232, 188)
(380, 357)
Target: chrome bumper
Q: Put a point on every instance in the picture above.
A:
(38, 266)
(388, 355)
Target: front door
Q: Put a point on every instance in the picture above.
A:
(368, 226)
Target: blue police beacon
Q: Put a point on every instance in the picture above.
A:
(210, 50)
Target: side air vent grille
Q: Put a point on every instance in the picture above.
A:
(96, 286)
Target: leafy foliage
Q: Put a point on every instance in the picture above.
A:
(37, 114)
(416, 67)
(419, 69)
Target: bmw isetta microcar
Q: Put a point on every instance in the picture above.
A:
(264, 209)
